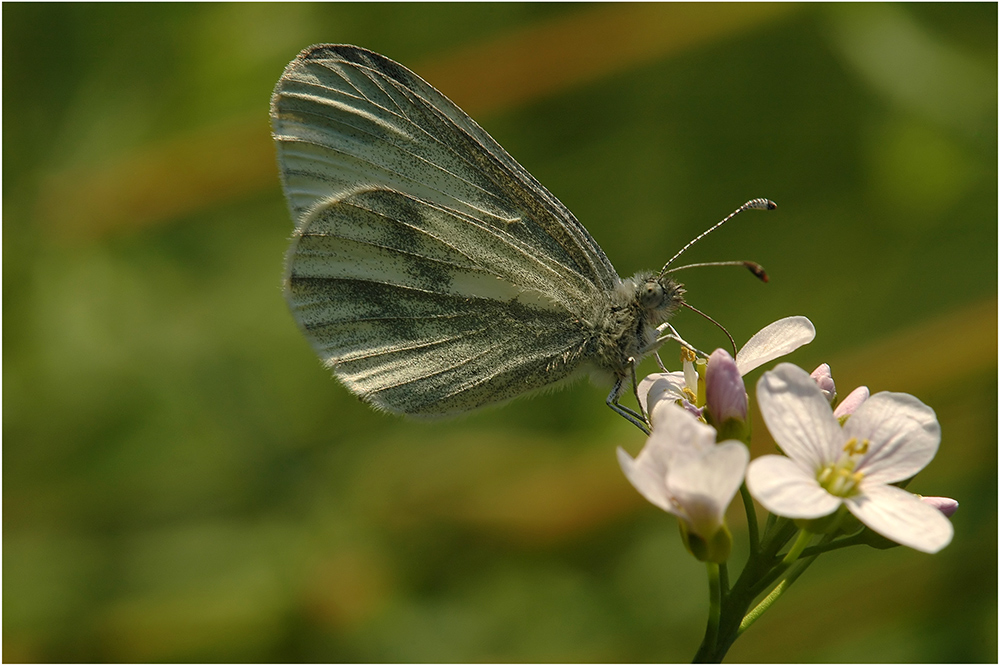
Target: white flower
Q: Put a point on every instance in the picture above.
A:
(889, 438)
(684, 472)
(774, 340)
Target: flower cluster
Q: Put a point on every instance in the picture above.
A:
(838, 480)
(847, 457)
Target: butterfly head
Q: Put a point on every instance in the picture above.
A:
(659, 296)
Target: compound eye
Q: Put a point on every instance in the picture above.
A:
(651, 295)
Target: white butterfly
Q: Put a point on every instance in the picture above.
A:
(428, 269)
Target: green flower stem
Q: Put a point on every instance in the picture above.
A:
(793, 573)
(797, 548)
(781, 531)
(714, 603)
(708, 643)
(769, 525)
(820, 548)
(753, 533)
(736, 603)
(778, 570)
(729, 609)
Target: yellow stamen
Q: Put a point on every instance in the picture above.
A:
(852, 448)
(840, 478)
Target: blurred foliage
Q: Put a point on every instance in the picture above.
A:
(182, 481)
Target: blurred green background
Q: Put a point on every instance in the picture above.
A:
(183, 481)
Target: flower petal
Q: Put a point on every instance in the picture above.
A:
(901, 517)
(786, 489)
(660, 386)
(798, 416)
(850, 404)
(703, 486)
(644, 479)
(782, 337)
(678, 433)
(903, 435)
(676, 436)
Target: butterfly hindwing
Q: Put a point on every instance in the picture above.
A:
(413, 324)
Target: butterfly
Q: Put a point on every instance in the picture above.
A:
(428, 269)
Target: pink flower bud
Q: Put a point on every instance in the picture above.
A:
(853, 400)
(824, 378)
(945, 505)
(725, 394)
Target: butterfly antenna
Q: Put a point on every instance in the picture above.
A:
(752, 266)
(756, 204)
(721, 327)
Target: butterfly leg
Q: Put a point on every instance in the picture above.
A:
(635, 391)
(663, 336)
(638, 419)
(672, 335)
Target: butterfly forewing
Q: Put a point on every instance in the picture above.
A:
(428, 269)
(345, 117)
